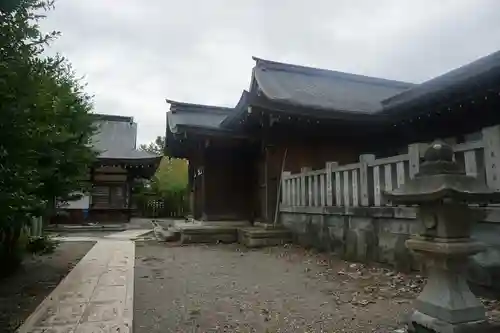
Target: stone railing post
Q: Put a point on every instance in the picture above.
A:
(364, 178)
(491, 140)
(285, 188)
(414, 157)
(303, 189)
(329, 182)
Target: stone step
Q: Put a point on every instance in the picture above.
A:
(208, 234)
(260, 237)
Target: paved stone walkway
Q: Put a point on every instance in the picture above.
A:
(97, 296)
(96, 236)
(128, 234)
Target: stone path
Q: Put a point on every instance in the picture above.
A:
(97, 296)
(96, 236)
(129, 234)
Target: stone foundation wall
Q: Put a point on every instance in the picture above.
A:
(379, 235)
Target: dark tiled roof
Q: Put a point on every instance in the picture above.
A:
(112, 117)
(116, 139)
(329, 94)
(465, 77)
(195, 115)
(236, 114)
(323, 89)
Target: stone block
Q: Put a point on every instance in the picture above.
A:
(351, 245)
(366, 245)
(259, 237)
(403, 259)
(360, 223)
(209, 238)
(336, 239)
(421, 323)
(401, 226)
(484, 269)
(386, 243)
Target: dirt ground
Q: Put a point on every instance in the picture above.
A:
(226, 288)
(23, 291)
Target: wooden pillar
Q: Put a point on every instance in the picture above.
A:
(266, 185)
(203, 153)
(129, 185)
(191, 188)
(203, 194)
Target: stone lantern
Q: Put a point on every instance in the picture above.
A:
(442, 192)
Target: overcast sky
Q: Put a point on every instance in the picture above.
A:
(136, 53)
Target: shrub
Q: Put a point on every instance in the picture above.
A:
(41, 244)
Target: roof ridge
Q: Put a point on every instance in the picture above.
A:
(112, 117)
(193, 107)
(309, 70)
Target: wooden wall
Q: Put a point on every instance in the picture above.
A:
(228, 183)
(311, 154)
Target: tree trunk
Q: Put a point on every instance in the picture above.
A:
(10, 253)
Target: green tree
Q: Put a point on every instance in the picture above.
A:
(170, 180)
(44, 129)
(155, 147)
(7, 6)
(171, 176)
(65, 129)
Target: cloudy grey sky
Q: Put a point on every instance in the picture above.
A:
(136, 53)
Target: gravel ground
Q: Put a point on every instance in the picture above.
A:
(23, 291)
(226, 288)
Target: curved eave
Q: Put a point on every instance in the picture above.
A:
(179, 148)
(238, 112)
(286, 107)
(456, 84)
(186, 107)
(208, 131)
(142, 167)
(130, 161)
(173, 147)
